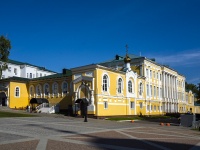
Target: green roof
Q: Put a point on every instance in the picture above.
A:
(24, 63)
(57, 75)
(119, 59)
(15, 79)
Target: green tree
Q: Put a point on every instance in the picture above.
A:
(198, 93)
(192, 87)
(5, 47)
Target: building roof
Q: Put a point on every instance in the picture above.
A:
(132, 57)
(24, 63)
(15, 79)
(57, 75)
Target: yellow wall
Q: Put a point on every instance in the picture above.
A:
(22, 100)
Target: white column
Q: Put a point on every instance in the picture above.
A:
(75, 98)
(92, 97)
(167, 84)
(163, 85)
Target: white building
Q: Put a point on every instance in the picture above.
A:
(24, 70)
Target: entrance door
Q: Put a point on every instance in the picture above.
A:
(3, 99)
(3, 102)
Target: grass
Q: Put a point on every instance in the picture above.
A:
(10, 114)
(137, 118)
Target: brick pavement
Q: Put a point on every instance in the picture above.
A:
(56, 132)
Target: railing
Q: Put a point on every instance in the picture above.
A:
(49, 109)
(52, 109)
(42, 106)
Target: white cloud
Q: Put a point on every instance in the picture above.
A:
(179, 59)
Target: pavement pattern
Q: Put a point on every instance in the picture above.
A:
(57, 132)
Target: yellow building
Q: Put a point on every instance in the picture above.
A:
(129, 85)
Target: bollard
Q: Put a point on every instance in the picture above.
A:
(162, 124)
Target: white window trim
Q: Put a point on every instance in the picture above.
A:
(15, 91)
(108, 84)
(122, 85)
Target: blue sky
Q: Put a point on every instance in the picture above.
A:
(60, 34)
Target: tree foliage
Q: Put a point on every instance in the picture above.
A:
(194, 88)
(5, 47)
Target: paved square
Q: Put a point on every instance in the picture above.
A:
(55, 132)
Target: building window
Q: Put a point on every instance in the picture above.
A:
(15, 71)
(17, 90)
(141, 105)
(154, 108)
(105, 105)
(147, 89)
(64, 88)
(140, 89)
(46, 89)
(31, 91)
(38, 90)
(132, 105)
(40, 75)
(9, 69)
(130, 89)
(158, 108)
(160, 92)
(151, 90)
(119, 85)
(31, 75)
(147, 73)
(150, 73)
(154, 91)
(55, 89)
(27, 75)
(147, 107)
(105, 83)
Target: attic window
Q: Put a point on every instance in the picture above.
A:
(9, 69)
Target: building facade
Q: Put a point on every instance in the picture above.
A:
(24, 70)
(127, 85)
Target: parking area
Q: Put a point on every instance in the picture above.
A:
(61, 132)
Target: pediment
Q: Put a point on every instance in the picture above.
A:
(82, 78)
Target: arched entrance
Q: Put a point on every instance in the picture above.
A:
(3, 99)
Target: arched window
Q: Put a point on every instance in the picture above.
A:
(31, 91)
(38, 90)
(130, 86)
(64, 88)
(17, 91)
(46, 89)
(140, 89)
(119, 85)
(55, 88)
(105, 83)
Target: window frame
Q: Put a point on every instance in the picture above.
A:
(130, 86)
(105, 104)
(17, 91)
(105, 83)
(119, 85)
